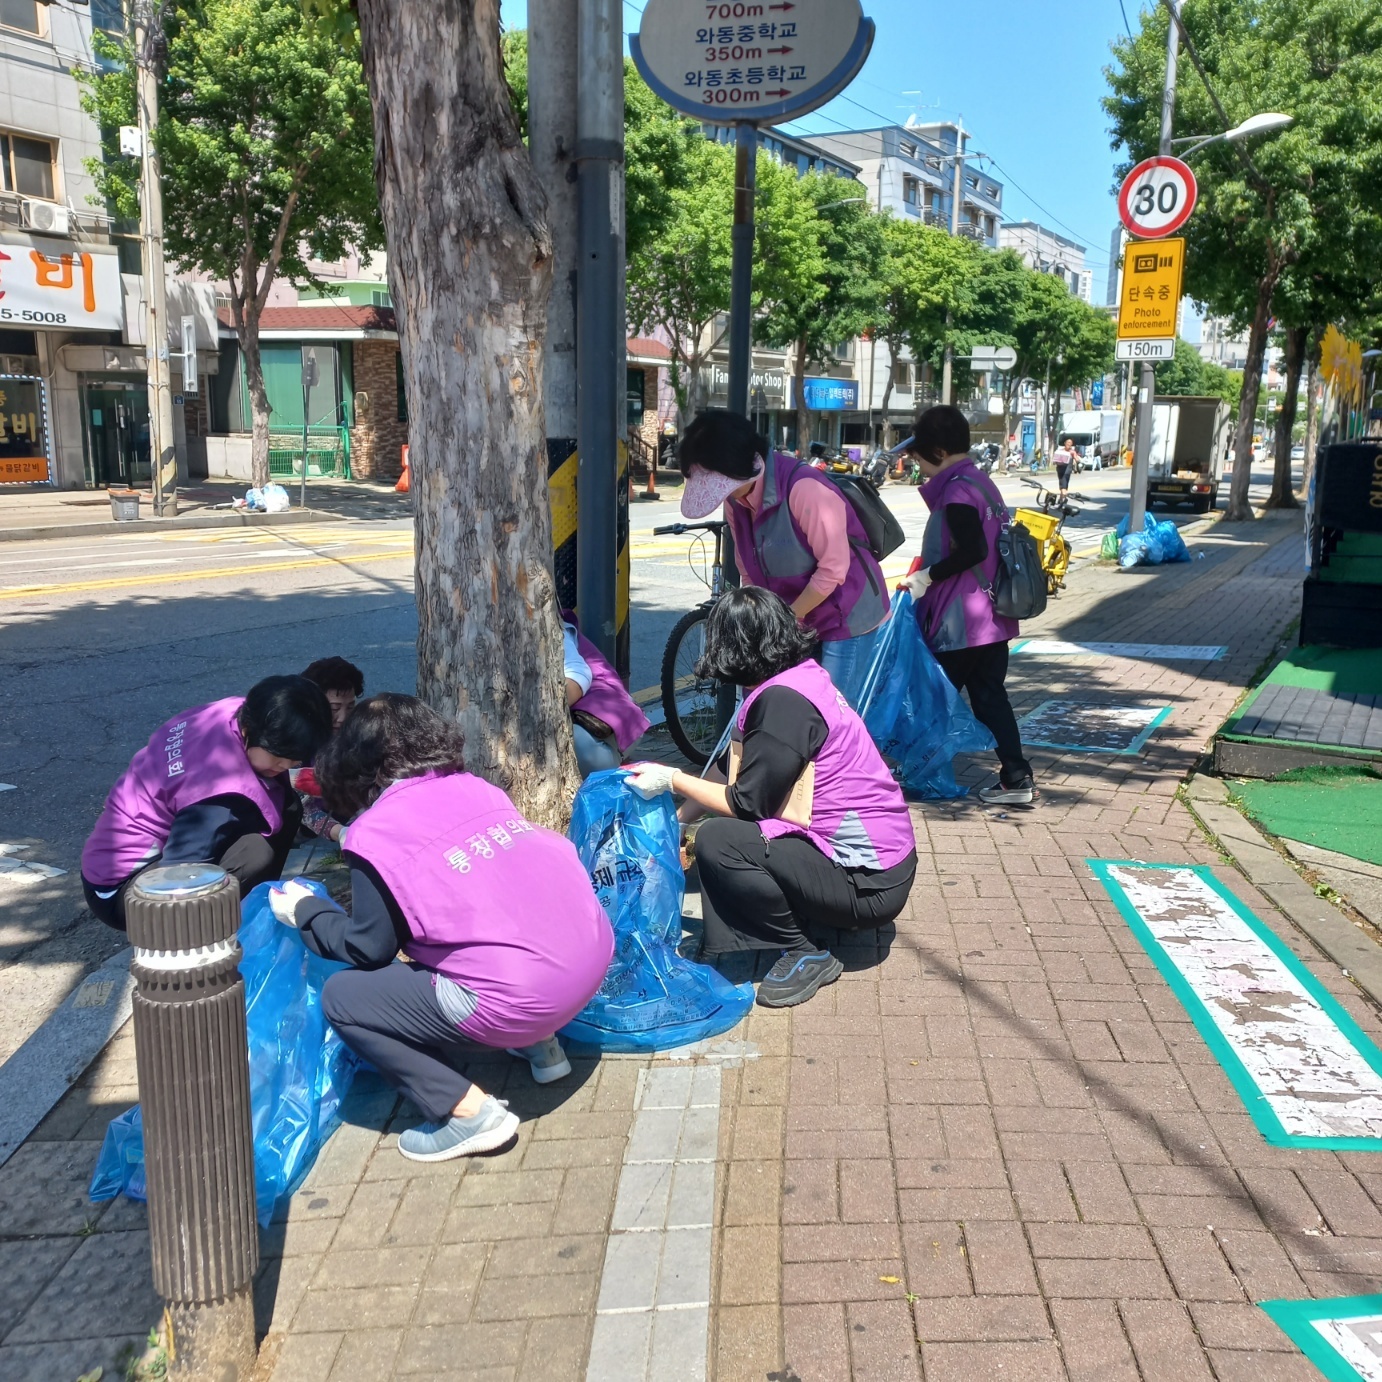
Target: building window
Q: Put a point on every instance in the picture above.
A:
(902, 376)
(972, 182)
(26, 165)
(845, 350)
(108, 16)
(988, 226)
(21, 14)
(908, 150)
(398, 384)
(911, 190)
(380, 297)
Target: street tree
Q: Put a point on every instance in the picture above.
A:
(470, 270)
(1184, 374)
(818, 271)
(266, 153)
(1302, 200)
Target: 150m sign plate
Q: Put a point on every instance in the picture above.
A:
(730, 62)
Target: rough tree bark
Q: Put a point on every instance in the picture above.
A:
(1283, 496)
(1239, 507)
(470, 270)
(1312, 418)
(803, 412)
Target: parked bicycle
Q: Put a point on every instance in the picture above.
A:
(1045, 526)
(690, 702)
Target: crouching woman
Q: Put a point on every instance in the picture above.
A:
(812, 832)
(506, 937)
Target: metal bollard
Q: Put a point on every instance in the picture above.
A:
(193, 1062)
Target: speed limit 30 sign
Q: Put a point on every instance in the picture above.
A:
(1157, 197)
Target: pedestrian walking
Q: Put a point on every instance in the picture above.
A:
(794, 534)
(1065, 459)
(810, 831)
(507, 941)
(210, 787)
(953, 589)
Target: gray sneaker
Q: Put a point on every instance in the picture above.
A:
(485, 1131)
(796, 977)
(546, 1060)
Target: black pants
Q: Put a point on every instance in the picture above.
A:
(1063, 475)
(391, 1018)
(251, 859)
(982, 672)
(761, 895)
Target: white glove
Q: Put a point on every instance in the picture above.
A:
(283, 900)
(651, 779)
(918, 582)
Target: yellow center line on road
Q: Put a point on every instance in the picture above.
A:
(209, 573)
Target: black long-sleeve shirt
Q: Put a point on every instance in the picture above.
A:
(968, 545)
(369, 935)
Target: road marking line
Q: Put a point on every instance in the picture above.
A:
(1305, 1071)
(126, 582)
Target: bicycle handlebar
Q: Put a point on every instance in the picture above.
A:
(715, 525)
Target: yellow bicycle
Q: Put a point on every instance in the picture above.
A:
(1045, 526)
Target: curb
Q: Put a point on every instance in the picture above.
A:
(165, 525)
(1252, 853)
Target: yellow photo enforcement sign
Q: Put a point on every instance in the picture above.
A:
(1150, 303)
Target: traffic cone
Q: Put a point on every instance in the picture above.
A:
(405, 481)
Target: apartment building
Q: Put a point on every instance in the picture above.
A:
(1048, 252)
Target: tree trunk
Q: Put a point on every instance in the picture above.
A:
(470, 270)
(1312, 421)
(1283, 496)
(259, 401)
(803, 412)
(1239, 506)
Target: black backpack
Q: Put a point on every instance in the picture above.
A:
(1019, 584)
(880, 525)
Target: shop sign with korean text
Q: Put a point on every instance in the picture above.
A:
(759, 63)
(23, 431)
(56, 286)
(1149, 306)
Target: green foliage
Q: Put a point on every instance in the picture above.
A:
(1182, 375)
(514, 45)
(659, 160)
(1218, 382)
(264, 137)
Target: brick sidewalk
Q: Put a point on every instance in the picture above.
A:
(997, 1147)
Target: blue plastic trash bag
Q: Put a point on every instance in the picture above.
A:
(1157, 543)
(300, 1070)
(915, 715)
(1172, 543)
(652, 999)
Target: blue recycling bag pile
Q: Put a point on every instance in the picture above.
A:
(300, 1070)
(652, 999)
(1157, 543)
(915, 715)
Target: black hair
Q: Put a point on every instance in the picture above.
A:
(336, 674)
(288, 717)
(724, 442)
(1063, 440)
(750, 636)
(387, 737)
(938, 429)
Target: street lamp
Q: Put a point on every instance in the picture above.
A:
(848, 201)
(1254, 124)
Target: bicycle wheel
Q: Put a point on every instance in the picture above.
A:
(689, 701)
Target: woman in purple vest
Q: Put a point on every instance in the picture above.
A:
(211, 787)
(794, 534)
(958, 563)
(768, 883)
(507, 941)
(605, 719)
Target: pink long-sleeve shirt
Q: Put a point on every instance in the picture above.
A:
(821, 515)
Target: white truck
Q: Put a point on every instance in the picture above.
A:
(1190, 443)
(1096, 432)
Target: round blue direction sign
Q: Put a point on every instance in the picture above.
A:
(761, 63)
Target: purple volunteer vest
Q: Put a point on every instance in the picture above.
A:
(492, 901)
(608, 698)
(958, 612)
(858, 815)
(196, 755)
(773, 552)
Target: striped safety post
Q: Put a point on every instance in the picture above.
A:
(561, 495)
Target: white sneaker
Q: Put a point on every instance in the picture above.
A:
(546, 1059)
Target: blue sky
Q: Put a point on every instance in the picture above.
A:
(1026, 78)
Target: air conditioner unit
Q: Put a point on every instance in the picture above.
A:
(48, 218)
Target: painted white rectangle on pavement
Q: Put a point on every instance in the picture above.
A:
(1303, 1068)
(1091, 727)
(1358, 1341)
(1143, 652)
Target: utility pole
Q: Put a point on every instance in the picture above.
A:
(600, 341)
(741, 294)
(163, 463)
(956, 193)
(552, 95)
(1146, 388)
